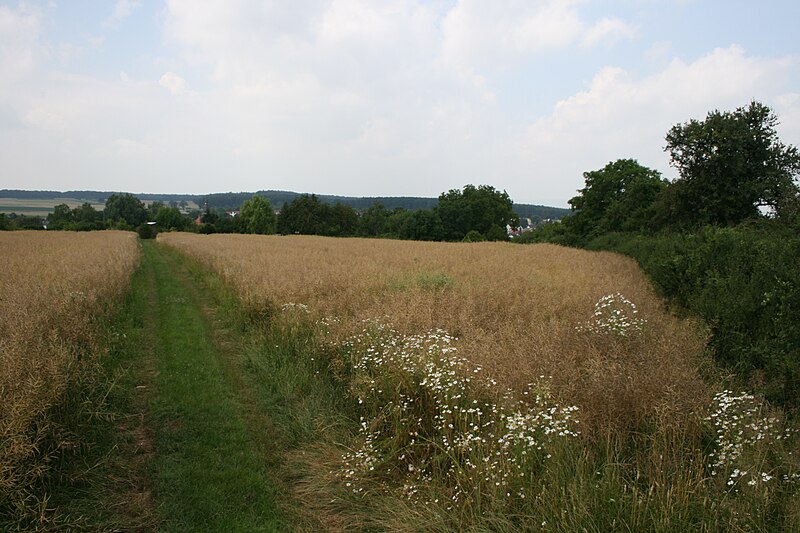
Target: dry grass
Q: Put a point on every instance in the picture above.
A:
(514, 309)
(442, 448)
(54, 287)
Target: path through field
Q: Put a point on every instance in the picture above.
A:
(212, 463)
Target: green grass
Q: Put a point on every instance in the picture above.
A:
(210, 472)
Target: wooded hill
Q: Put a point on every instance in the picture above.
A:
(234, 200)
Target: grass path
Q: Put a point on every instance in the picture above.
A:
(214, 468)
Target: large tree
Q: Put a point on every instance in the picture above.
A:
(257, 216)
(483, 209)
(618, 197)
(730, 164)
(125, 207)
(305, 215)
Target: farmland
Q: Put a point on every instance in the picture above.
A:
(42, 206)
(310, 383)
(56, 290)
(499, 387)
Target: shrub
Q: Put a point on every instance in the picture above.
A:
(147, 231)
(745, 282)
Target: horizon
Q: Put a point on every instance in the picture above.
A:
(378, 99)
(141, 193)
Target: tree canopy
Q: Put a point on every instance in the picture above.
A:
(483, 209)
(618, 197)
(125, 207)
(730, 164)
(257, 216)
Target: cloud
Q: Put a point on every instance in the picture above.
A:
(20, 50)
(173, 83)
(608, 30)
(122, 10)
(479, 34)
(619, 116)
(368, 98)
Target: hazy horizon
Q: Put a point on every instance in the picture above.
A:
(386, 98)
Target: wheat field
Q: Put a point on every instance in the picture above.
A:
(55, 287)
(499, 387)
(516, 310)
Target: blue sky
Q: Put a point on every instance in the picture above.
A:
(374, 98)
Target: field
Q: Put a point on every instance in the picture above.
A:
(55, 290)
(501, 386)
(34, 207)
(271, 383)
(41, 207)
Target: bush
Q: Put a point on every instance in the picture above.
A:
(745, 282)
(146, 231)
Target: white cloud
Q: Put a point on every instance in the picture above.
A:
(122, 10)
(608, 30)
(19, 47)
(172, 82)
(479, 34)
(619, 116)
(363, 97)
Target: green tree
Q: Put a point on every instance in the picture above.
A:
(421, 225)
(153, 208)
(374, 221)
(475, 208)
(618, 197)
(730, 164)
(86, 213)
(341, 220)
(61, 217)
(305, 215)
(171, 218)
(257, 216)
(126, 208)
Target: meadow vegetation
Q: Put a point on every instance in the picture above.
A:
(56, 291)
(489, 386)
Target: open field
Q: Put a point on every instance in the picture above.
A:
(309, 384)
(40, 207)
(33, 207)
(515, 310)
(506, 388)
(55, 289)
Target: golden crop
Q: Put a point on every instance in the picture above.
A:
(521, 312)
(53, 288)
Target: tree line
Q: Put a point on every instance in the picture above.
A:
(474, 213)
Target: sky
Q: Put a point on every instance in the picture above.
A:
(374, 98)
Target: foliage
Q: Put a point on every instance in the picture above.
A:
(14, 221)
(474, 236)
(374, 221)
(82, 218)
(479, 208)
(419, 225)
(125, 207)
(147, 231)
(257, 216)
(304, 215)
(170, 218)
(308, 215)
(730, 164)
(745, 282)
(619, 197)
